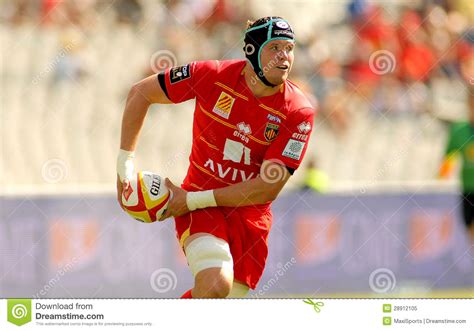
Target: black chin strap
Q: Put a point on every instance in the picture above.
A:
(265, 80)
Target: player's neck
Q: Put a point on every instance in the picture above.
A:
(256, 85)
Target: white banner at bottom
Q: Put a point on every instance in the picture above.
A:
(236, 314)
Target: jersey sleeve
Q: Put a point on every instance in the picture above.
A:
(292, 141)
(187, 81)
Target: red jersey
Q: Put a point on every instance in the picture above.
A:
(234, 131)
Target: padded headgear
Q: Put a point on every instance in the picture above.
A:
(259, 34)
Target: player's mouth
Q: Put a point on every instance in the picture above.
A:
(283, 67)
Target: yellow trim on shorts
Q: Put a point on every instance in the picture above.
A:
(185, 236)
(186, 233)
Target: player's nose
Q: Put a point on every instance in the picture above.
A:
(283, 55)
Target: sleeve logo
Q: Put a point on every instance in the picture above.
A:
(304, 127)
(293, 149)
(178, 74)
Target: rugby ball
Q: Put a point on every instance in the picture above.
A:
(146, 199)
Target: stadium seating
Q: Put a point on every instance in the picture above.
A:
(78, 120)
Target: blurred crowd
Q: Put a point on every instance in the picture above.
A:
(66, 12)
(385, 57)
(396, 56)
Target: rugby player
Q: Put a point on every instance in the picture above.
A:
(250, 132)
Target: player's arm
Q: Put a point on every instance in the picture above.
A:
(257, 191)
(140, 97)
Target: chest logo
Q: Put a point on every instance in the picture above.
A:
(224, 105)
(242, 131)
(244, 128)
(271, 131)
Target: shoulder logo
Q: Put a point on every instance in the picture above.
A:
(178, 74)
(304, 127)
(224, 105)
(271, 131)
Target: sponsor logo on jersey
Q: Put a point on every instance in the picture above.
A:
(293, 149)
(304, 127)
(299, 136)
(228, 173)
(242, 131)
(178, 74)
(271, 131)
(224, 105)
(273, 118)
(244, 128)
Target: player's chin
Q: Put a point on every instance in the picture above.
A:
(279, 78)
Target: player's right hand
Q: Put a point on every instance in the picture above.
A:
(121, 186)
(125, 170)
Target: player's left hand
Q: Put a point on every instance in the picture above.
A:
(177, 205)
